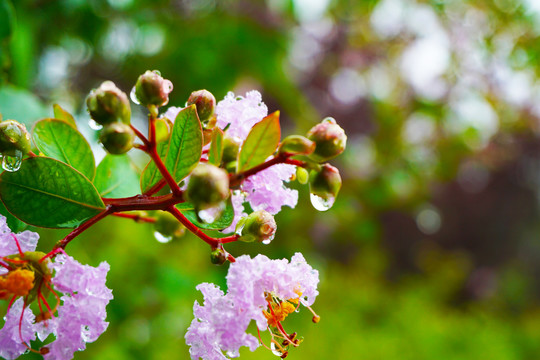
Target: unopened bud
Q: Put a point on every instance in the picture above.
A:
(302, 175)
(108, 104)
(168, 226)
(231, 147)
(14, 137)
(296, 145)
(258, 226)
(218, 256)
(208, 186)
(152, 89)
(117, 138)
(205, 103)
(329, 138)
(326, 182)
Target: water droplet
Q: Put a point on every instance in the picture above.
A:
(211, 214)
(157, 72)
(94, 125)
(167, 86)
(275, 350)
(268, 241)
(162, 238)
(12, 163)
(133, 97)
(320, 203)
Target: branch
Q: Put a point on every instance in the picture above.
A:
(236, 179)
(79, 229)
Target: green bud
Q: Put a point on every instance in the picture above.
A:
(152, 89)
(167, 225)
(205, 103)
(231, 147)
(117, 138)
(326, 182)
(296, 145)
(163, 129)
(231, 166)
(14, 137)
(329, 138)
(208, 186)
(258, 226)
(108, 104)
(218, 257)
(302, 175)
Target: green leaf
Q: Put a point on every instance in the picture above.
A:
(21, 105)
(151, 175)
(185, 147)
(225, 220)
(216, 147)
(116, 177)
(59, 140)
(61, 114)
(183, 151)
(261, 142)
(13, 223)
(48, 193)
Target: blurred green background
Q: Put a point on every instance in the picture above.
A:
(432, 250)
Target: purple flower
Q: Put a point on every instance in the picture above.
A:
(81, 315)
(11, 343)
(220, 323)
(240, 112)
(264, 190)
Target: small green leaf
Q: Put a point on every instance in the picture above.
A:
(216, 147)
(183, 151)
(61, 114)
(151, 175)
(48, 193)
(261, 142)
(225, 220)
(59, 140)
(185, 147)
(116, 177)
(13, 223)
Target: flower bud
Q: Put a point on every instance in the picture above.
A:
(258, 226)
(329, 138)
(325, 183)
(218, 256)
(296, 145)
(167, 225)
(231, 147)
(205, 103)
(208, 186)
(14, 137)
(108, 104)
(117, 138)
(152, 89)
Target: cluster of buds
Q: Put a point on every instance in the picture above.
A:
(109, 107)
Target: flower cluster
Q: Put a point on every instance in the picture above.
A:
(79, 315)
(264, 190)
(259, 289)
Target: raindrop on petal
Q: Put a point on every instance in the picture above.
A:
(320, 203)
(167, 86)
(12, 163)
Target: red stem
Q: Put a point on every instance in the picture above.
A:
(191, 227)
(63, 243)
(140, 136)
(135, 217)
(154, 189)
(236, 179)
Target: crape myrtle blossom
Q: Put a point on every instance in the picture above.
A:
(259, 289)
(79, 316)
(264, 190)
